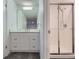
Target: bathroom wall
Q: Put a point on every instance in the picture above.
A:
(16, 19)
(5, 38)
(10, 17)
(40, 20)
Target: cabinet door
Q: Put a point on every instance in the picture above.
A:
(65, 16)
(65, 28)
(53, 29)
(53, 17)
(53, 41)
(65, 38)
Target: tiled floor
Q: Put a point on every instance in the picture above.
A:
(62, 58)
(23, 56)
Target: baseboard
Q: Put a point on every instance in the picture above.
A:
(7, 55)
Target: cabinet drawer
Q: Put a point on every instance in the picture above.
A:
(34, 43)
(34, 47)
(19, 41)
(25, 41)
(34, 39)
(14, 47)
(20, 46)
(16, 40)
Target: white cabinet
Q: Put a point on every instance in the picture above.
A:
(61, 1)
(60, 29)
(19, 41)
(34, 41)
(53, 16)
(65, 16)
(53, 41)
(65, 38)
(65, 28)
(25, 42)
(53, 28)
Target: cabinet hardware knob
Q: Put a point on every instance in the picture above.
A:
(65, 25)
(64, 8)
(33, 39)
(33, 46)
(15, 38)
(49, 31)
(15, 46)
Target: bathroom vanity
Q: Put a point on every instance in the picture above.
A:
(25, 41)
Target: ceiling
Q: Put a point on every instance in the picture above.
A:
(28, 13)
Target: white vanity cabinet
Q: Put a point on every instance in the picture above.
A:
(34, 39)
(24, 41)
(60, 29)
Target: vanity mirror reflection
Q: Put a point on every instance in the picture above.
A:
(23, 16)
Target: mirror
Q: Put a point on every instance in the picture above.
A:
(24, 15)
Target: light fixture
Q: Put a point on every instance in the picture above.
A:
(28, 3)
(27, 8)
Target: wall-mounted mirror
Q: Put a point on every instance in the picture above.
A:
(23, 15)
(23, 26)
